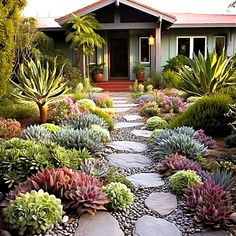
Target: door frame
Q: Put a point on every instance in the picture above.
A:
(115, 34)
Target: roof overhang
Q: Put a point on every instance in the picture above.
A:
(216, 25)
(103, 3)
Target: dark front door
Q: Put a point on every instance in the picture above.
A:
(118, 50)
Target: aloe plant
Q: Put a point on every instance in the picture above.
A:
(207, 75)
(41, 83)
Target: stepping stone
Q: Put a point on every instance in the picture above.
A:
(121, 125)
(128, 146)
(121, 109)
(162, 203)
(151, 226)
(132, 117)
(120, 101)
(141, 133)
(123, 160)
(101, 224)
(125, 105)
(146, 180)
(213, 233)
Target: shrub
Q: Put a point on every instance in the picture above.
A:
(175, 63)
(150, 109)
(9, 128)
(155, 79)
(95, 167)
(104, 115)
(33, 212)
(36, 133)
(78, 139)
(51, 127)
(173, 104)
(103, 100)
(171, 78)
(85, 104)
(230, 140)
(183, 179)
(206, 113)
(119, 195)
(156, 122)
(103, 133)
(64, 110)
(207, 75)
(84, 121)
(209, 202)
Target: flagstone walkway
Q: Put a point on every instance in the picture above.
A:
(155, 211)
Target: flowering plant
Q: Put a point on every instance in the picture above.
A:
(103, 100)
(65, 110)
(173, 104)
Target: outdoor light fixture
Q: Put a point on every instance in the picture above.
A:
(151, 40)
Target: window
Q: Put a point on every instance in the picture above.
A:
(219, 44)
(144, 50)
(188, 45)
(93, 58)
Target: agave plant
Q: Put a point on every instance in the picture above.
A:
(41, 83)
(207, 75)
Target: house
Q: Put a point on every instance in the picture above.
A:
(136, 32)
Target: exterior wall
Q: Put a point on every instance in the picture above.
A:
(169, 40)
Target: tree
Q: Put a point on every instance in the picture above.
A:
(9, 18)
(41, 83)
(83, 37)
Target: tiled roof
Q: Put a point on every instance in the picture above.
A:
(203, 20)
(48, 23)
(84, 9)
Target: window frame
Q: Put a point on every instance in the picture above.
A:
(149, 51)
(191, 49)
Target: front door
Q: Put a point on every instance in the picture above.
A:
(118, 55)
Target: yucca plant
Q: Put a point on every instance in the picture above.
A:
(207, 75)
(41, 83)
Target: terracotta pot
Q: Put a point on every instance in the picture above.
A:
(140, 76)
(98, 77)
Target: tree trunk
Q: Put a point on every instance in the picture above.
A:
(43, 109)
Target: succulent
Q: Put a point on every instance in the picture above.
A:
(78, 139)
(37, 133)
(154, 133)
(169, 142)
(114, 175)
(51, 127)
(144, 98)
(189, 131)
(223, 178)
(149, 109)
(33, 212)
(85, 104)
(230, 140)
(156, 122)
(9, 128)
(209, 202)
(183, 179)
(119, 195)
(103, 100)
(103, 133)
(208, 141)
(95, 167)
(84, 121)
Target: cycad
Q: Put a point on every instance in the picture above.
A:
(41, 83)
(207, 75)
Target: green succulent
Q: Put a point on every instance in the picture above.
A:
(85, 104)
(156, 122)
(103, 133)
(51, 127)
(34, 212)
(183, 179)
(119, 195)
(154, 133)
(37, 133)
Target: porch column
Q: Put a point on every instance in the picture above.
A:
(158, 45)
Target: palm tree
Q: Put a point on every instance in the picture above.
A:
(41, 83)
(83, 38)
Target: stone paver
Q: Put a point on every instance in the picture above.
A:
(120, 101)
(124, 160)
(121, 109)
(151, 226)
(213, 233)
(101, 224)
(125, 105)
(132, 117)
(141, 133)
(128, 146)
(162, 203)
(121, 125)
(146, 180)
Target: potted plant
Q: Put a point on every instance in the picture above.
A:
(96, 71)
(138, 70)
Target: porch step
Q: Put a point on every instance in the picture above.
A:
(114, 86)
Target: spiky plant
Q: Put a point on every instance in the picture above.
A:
(40, 82)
